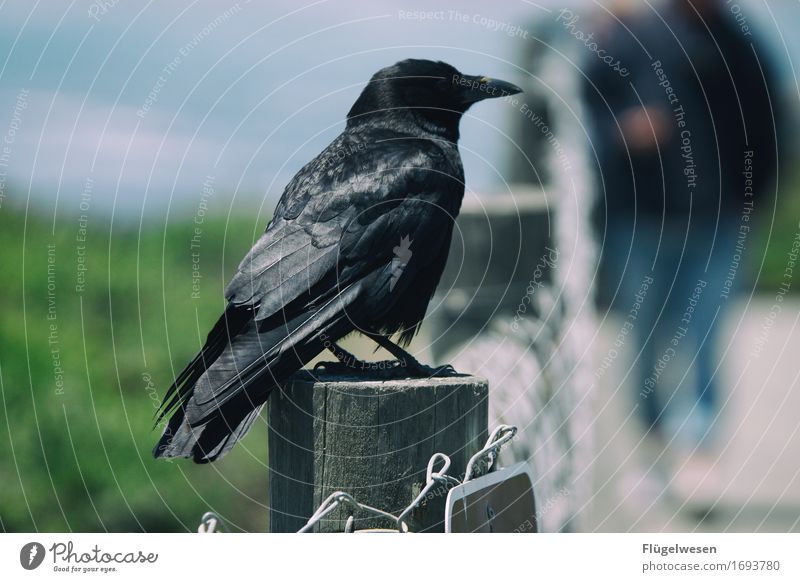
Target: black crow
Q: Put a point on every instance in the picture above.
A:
(358, 241)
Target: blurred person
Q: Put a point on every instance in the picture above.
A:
(684, 133)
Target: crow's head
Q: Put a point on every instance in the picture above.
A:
(431, 93)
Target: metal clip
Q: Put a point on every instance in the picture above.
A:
(500, 436)
(432, 478)
(211, 523)
(341, 498)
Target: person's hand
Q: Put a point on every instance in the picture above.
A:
(645, 127)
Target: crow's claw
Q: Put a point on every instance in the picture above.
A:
(419, 370)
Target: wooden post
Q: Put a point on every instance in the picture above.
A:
(372, 439)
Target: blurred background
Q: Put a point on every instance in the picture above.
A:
(144, 147)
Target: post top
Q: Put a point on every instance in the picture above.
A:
(380, 379)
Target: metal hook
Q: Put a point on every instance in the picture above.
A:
(499, 437)
(211, 523)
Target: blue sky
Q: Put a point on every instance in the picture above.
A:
(247, 92)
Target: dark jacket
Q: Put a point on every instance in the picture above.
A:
(724, 86)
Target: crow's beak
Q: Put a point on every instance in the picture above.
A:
(476, 88)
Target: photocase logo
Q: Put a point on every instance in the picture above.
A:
(402, 254)
(31, 555)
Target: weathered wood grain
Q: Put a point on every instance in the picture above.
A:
(370, 438)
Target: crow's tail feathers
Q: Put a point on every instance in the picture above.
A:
(217, 398)
(205, 442)
(228, 326)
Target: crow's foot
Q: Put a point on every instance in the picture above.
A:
(414, 367)
(417, 369)
(405, 366)
(382, 370)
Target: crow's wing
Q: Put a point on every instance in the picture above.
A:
(299, 246)
(328, 204)
(394, 247)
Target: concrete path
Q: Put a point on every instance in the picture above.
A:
(757, 468)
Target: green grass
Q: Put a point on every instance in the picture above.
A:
(78, 457)
(780, 232)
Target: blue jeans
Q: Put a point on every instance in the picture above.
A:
(674, 284)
